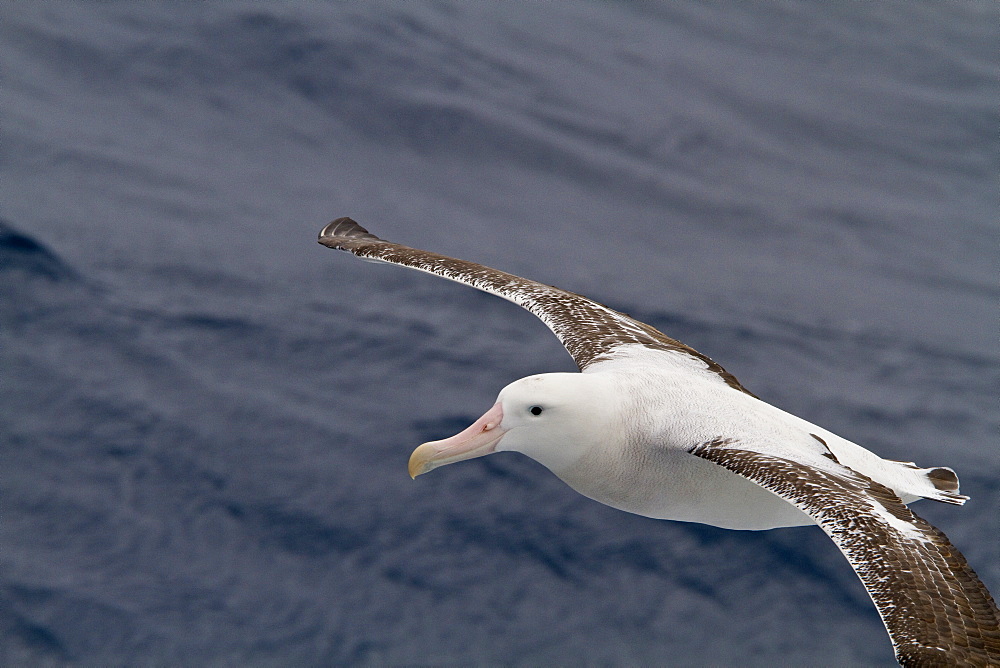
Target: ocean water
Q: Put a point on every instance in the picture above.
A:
(205, 416)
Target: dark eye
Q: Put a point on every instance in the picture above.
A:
(535, 410)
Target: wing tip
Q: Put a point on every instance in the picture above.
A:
(343, 229)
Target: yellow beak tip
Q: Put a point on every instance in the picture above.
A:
(417, 464)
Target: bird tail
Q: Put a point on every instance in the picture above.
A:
(938, 483)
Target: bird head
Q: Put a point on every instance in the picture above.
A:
(554, 418)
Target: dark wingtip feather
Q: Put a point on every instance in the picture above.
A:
(343, 228)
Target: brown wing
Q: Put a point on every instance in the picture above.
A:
(937, 611)
(590, 331)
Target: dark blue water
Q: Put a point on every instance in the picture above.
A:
(205, 416)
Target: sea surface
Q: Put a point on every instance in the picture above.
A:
(205, 416)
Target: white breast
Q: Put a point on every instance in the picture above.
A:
(670, 484)
(641, 464)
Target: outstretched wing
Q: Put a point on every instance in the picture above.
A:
(590, 331)
(935, 608)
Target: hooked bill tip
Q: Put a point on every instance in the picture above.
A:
(419, 461)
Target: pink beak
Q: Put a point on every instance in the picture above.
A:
(478, 440)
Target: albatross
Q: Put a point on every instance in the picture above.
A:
(653, 427)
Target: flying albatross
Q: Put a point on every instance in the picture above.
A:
(653, 427)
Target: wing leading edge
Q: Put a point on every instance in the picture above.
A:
(590, 331)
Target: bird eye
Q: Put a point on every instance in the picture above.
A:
(535, 410)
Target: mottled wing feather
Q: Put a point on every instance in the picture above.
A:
(589, 331)
(937, 611)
